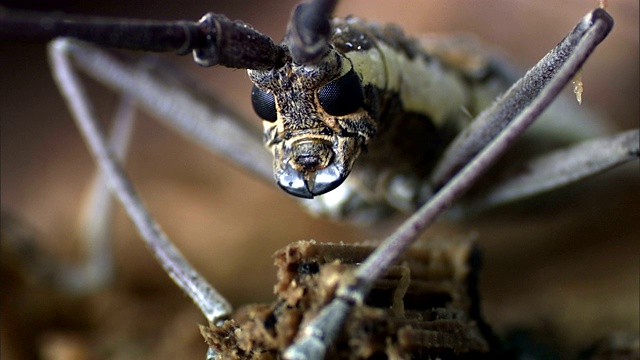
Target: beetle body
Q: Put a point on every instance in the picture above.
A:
(362, 129)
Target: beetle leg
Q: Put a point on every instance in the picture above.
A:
(557, 169)
(98, 213)
(211, 303)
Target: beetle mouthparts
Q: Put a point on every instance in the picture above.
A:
(307, 184)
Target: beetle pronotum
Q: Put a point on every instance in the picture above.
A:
(337, 235)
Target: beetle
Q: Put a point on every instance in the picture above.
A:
(272, 201)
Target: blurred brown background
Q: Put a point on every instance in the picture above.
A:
(566, 266)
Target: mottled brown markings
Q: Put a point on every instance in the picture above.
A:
(294, 87)
(303, 124)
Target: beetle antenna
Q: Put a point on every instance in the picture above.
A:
(214, 40)
(309, 30)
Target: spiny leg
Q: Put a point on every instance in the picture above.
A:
(211, 303)
(524, 101)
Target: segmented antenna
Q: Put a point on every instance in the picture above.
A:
(309, 30)
(214, 40)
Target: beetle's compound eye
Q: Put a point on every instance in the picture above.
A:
(264, 104)
(342, 96)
